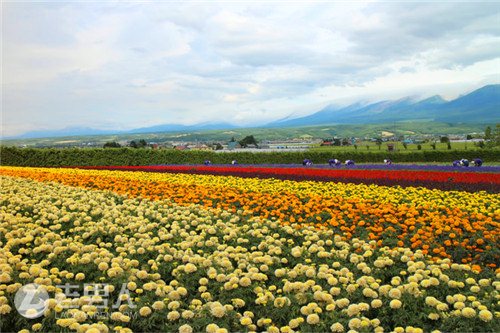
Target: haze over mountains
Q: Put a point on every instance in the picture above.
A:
(479, 106)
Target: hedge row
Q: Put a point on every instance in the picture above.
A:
(45, 157)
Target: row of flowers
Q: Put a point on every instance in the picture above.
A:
(457, 225)
(387, 164)
(477, 162)
(446, 180)
(191, 269)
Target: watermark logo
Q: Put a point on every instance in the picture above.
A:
(31, 300)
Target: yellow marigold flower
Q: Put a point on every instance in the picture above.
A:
(312, 319)
(102, 266)
(376, 303)
(158, 305)
(475, 289)
(142, 275)
(273, 329)
(395, 293)
(485, 315)
(218, 311)
(433, 316)
(354, 323)
(187, 314)
(93, 330)
(484, 282)
(5, 308)
(185, 329)
(36, 327)
(245, 321)
(211, 328)
(173, 315)
(245, 282)
(337, 328)
(342, 303)
(145, 311)
(468, 312)
(395, 304)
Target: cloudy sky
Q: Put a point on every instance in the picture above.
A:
(122, 65)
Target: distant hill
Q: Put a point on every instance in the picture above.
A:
(481, 105)
(182, 128)
(68, 131)
(86, 131)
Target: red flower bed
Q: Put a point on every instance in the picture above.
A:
(471, 181)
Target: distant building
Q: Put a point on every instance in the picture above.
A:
(181, 147)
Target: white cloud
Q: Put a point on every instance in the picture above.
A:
(128, 65)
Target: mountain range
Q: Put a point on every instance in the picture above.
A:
(480, 106)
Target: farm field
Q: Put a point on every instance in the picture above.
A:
(410, 148)
(190, 252)
(429, 176)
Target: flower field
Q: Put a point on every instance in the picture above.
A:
(218, 253)
(439, 177)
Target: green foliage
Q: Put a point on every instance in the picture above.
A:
(487, 133)
(444, 139)
(44, 157)
(112, 144)
(419, 147)
(248, 140)
(497, 135)
(138, 144)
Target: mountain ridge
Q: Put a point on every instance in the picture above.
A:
(482, 104)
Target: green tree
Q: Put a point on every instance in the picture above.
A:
(138, 144)
(379, 143)
(248, 140)
(449, 145)
(497, 135)
(405, 145)
(112, 144)
(487, 133)
(444, 139)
